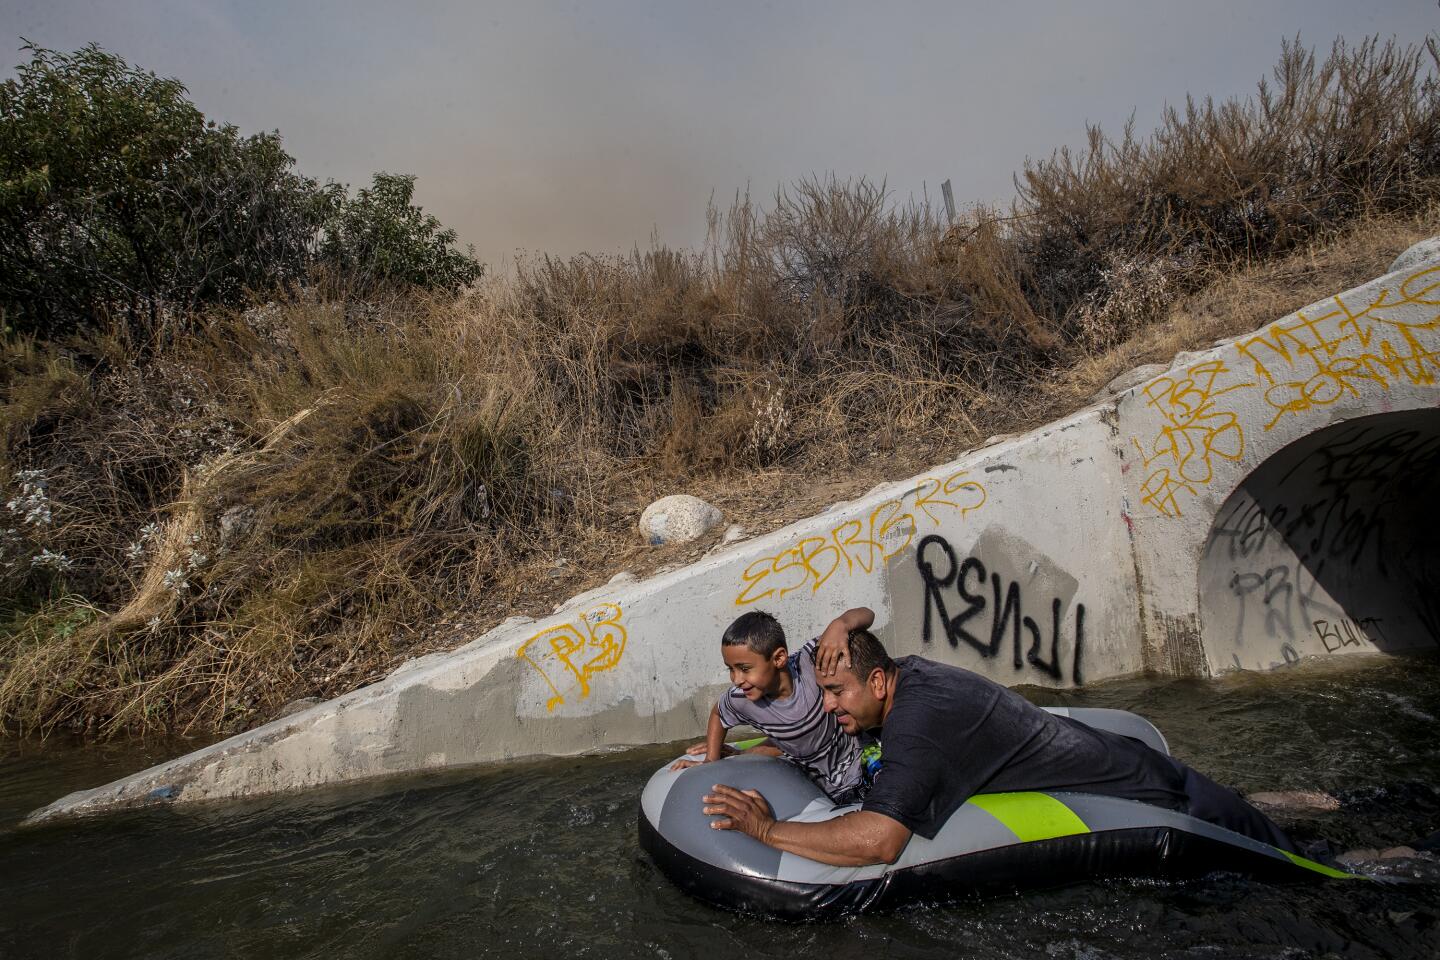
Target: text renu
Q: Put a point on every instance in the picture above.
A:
(1007, 611)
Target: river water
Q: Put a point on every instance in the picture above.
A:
(540, 859)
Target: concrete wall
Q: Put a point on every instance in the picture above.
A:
(1328, 547)
(1068, 555)
(1198, 433)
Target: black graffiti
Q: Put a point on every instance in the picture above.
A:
(1282, 595)
(1357, 479)
(1007, 614)
(1331, 526)
(1360, 456)
(1360, 493)
(1338, 634)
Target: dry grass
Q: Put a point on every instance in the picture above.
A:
(294, 499)
(1250, 297)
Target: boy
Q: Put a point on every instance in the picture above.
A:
(778, 695)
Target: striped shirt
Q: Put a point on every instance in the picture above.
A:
(801, 728)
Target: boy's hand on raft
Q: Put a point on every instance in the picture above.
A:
(743, 810)
(695, 755)
(726, 749)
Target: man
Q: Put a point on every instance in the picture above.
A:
(947, 734)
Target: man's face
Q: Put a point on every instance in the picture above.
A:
(857, 705)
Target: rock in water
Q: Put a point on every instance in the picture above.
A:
(678, 519)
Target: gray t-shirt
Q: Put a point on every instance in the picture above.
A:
(800, 727)
(952, 734)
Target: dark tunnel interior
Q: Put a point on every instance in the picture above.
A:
(1329, 546)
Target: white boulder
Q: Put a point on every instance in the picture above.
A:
(678, 519)
(1421, 254)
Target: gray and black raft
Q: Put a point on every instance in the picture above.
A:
(995, 844)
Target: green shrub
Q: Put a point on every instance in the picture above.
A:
(120, 201)
(379, 238)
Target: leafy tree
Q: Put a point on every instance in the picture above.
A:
(119, 199)
(380, 238)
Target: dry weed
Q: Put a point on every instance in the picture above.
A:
(279, 504)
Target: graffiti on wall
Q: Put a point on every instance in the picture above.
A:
(1338, 634)
(860, 545)
(1315, 360)
(990, 617)
(1341, 528)
(1279, 599)
(1194, 434)
(568, 655)
(1351, 484)
(1311, 359)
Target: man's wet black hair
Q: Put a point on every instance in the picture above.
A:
(867, 653)
(757, 630)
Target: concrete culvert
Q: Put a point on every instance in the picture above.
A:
(1329, 546)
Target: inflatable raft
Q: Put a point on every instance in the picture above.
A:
(995, 844)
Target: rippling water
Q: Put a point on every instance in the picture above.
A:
(540, 859)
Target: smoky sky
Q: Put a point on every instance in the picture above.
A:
(598, 127)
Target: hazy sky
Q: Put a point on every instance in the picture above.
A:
(568, 127)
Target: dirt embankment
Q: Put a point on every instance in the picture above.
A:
(301, 495)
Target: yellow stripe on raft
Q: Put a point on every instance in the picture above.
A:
(1039, 816)
(1300, 861)
(1031, 816)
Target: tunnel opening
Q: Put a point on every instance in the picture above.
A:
(1328, 547)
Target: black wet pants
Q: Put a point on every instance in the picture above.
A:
(1225, 808)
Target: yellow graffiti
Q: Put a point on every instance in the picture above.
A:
(861, 544)
(1193, 434)
(567, 656)
(1311, 359)
(1317, 360)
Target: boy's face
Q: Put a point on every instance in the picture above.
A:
(857, 705)
(755, 674)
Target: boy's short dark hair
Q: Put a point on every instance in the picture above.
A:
(867, 653)
(757, 630)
